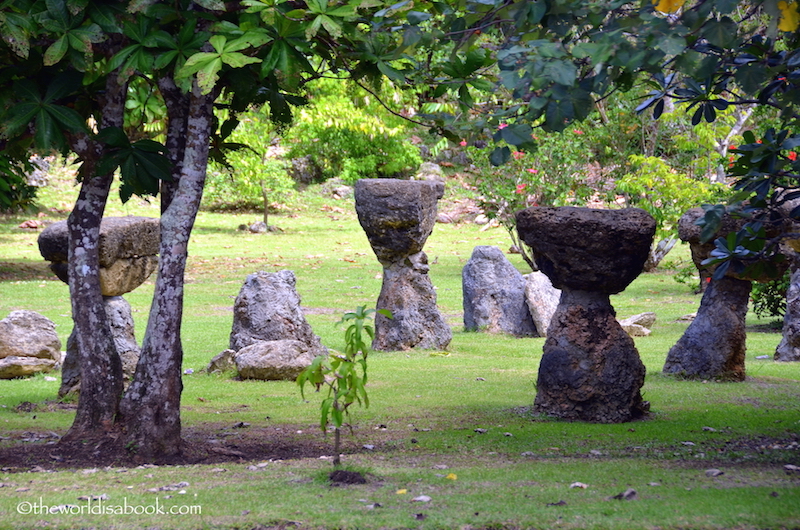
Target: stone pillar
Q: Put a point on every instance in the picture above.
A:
(713, 346)
(789, 348)
(398, 216)
(128, 256)
(590, 369)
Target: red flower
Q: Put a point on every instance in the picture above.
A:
(577, 131)
(518, 154)
(531, 170)
(462, 143)
(502, 126)
(520, 189)
(792, 156)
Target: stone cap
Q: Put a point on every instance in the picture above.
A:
(120, 237)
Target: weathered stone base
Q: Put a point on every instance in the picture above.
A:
(789, 348)
(120, 320)
(713, 346)
(590, 370)
(408, 293)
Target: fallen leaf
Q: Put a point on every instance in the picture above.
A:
(451, 476)
(401, 492)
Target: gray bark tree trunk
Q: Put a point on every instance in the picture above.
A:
(100, 365)
(151, 407)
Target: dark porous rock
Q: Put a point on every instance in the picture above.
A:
(713, 346)
(267, 309)
(127, 249)
(398, 216)
(588, 249)
(29, 344)
(590, 369)
(494, 295)
(274, 360)
(120, 320)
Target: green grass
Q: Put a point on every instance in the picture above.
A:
(512, 476)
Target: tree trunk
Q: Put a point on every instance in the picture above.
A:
(100, 365)
(177, 103)
(151, 407)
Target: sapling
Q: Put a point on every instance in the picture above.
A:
(345, 374)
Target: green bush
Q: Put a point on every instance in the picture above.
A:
(769, 298)
(256, 177)
(349, 142)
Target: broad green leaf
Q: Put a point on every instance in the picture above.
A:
(56, 51)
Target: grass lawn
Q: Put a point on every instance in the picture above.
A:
(427, 466)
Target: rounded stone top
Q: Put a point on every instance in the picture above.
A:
(588, 249)
(397, 215)
(689, 231)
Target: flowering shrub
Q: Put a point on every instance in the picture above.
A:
(556, 174)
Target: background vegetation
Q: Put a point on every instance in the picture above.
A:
(425, 408)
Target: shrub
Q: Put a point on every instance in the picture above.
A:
(769, 298)
(349, 142)
(256, 176)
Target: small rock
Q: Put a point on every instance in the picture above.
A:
(762, 356)
(714, 472)
(789, 468)
(559, 503)
(627, 495)
(653, 484)
(368, 447)
(481, 431)
(688, 444)
(580, 485)
(709, 429)
(507, 434)
(421, 498)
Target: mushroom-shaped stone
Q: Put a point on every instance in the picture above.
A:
(590, 369)
(714, 344)
(398, 216)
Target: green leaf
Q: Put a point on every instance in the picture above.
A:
(500, 156)
(56, 51)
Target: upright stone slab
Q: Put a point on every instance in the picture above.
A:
(542, 299)
(270, 336)
(789, 348)
(398, 216)
(268, 308)
(494, 295)
(590, 369)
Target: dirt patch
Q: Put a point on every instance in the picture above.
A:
(343, 477)
(43, 451)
